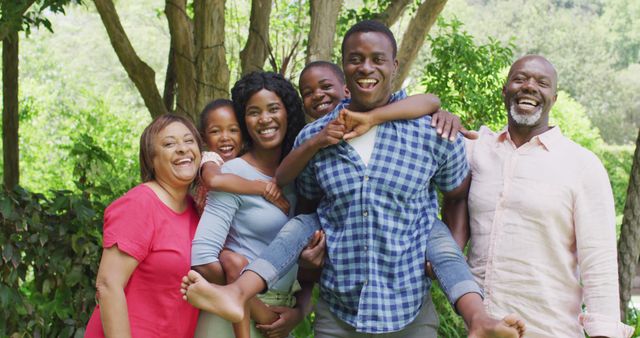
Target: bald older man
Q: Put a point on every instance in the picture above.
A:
(542, 219)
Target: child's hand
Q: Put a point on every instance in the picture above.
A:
(356, 124)
(271, 191)
(273, 194)
(331, 134)
(312, 257)
(447, 125)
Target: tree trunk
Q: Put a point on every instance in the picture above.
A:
(169, 93)
(182, 43)
(212, 72)
(629, 242)
(139, 72)
(322, 34)
(256, 50)
(10, 110)
(414, 37)
(392, 13)
(8, 26)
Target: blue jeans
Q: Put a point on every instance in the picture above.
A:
(447, 260)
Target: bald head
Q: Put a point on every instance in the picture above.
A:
(530, 91)
(542, 63)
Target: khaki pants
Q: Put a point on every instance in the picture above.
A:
(327, 325)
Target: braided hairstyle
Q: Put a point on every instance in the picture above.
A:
(254, 82)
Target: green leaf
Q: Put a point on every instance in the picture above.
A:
(46, 287)
(74, 276)
(7, 253)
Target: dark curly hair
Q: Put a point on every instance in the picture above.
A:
(254, 82)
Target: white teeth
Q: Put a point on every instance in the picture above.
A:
(184, 161)
(322, 106)
(527, 101)
(226, 148)
(267, 131)
(367, 81)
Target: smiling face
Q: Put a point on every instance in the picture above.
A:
(321, 91)
(530, 91)
(266, 120)
(176, 155)
(222, 133)
(369, 68)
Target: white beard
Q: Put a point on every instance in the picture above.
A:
(525, 119)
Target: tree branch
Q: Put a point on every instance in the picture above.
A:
(212, 71)
(414, 37)
(392, 13)
(629, 242)
(139, 72)
(169, 94)
(10, 111)
(183, 45)
(9, 24)
(256, 49)
(324, 16)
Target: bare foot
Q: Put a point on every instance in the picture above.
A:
(486, 327)
(223, 301)
(515, 321)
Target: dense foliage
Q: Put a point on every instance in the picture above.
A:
(50, 254)
(467, 76)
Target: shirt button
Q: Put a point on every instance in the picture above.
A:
(365, 282)
(365, 214)
(366, 178)
(365, 248)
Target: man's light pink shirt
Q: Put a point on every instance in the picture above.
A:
(543, 236)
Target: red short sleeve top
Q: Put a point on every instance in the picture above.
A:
(142, 226)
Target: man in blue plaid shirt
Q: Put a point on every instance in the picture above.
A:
(377, 205)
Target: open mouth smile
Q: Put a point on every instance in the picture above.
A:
(527, 103)
(367, 83)
(268, 132)
(184, 162)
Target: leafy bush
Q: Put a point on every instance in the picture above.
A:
(467, 77)
(51, 248)
(50, 254)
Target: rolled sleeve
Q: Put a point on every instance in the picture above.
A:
(597, 325)
(594, 216)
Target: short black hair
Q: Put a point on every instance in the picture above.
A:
(325, 64)
(370, 26)
(254, 82)
(211, 106)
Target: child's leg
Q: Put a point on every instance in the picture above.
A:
(277, 259)
(456, 280)
(283, 252)
(232, 264)
(449, 264)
